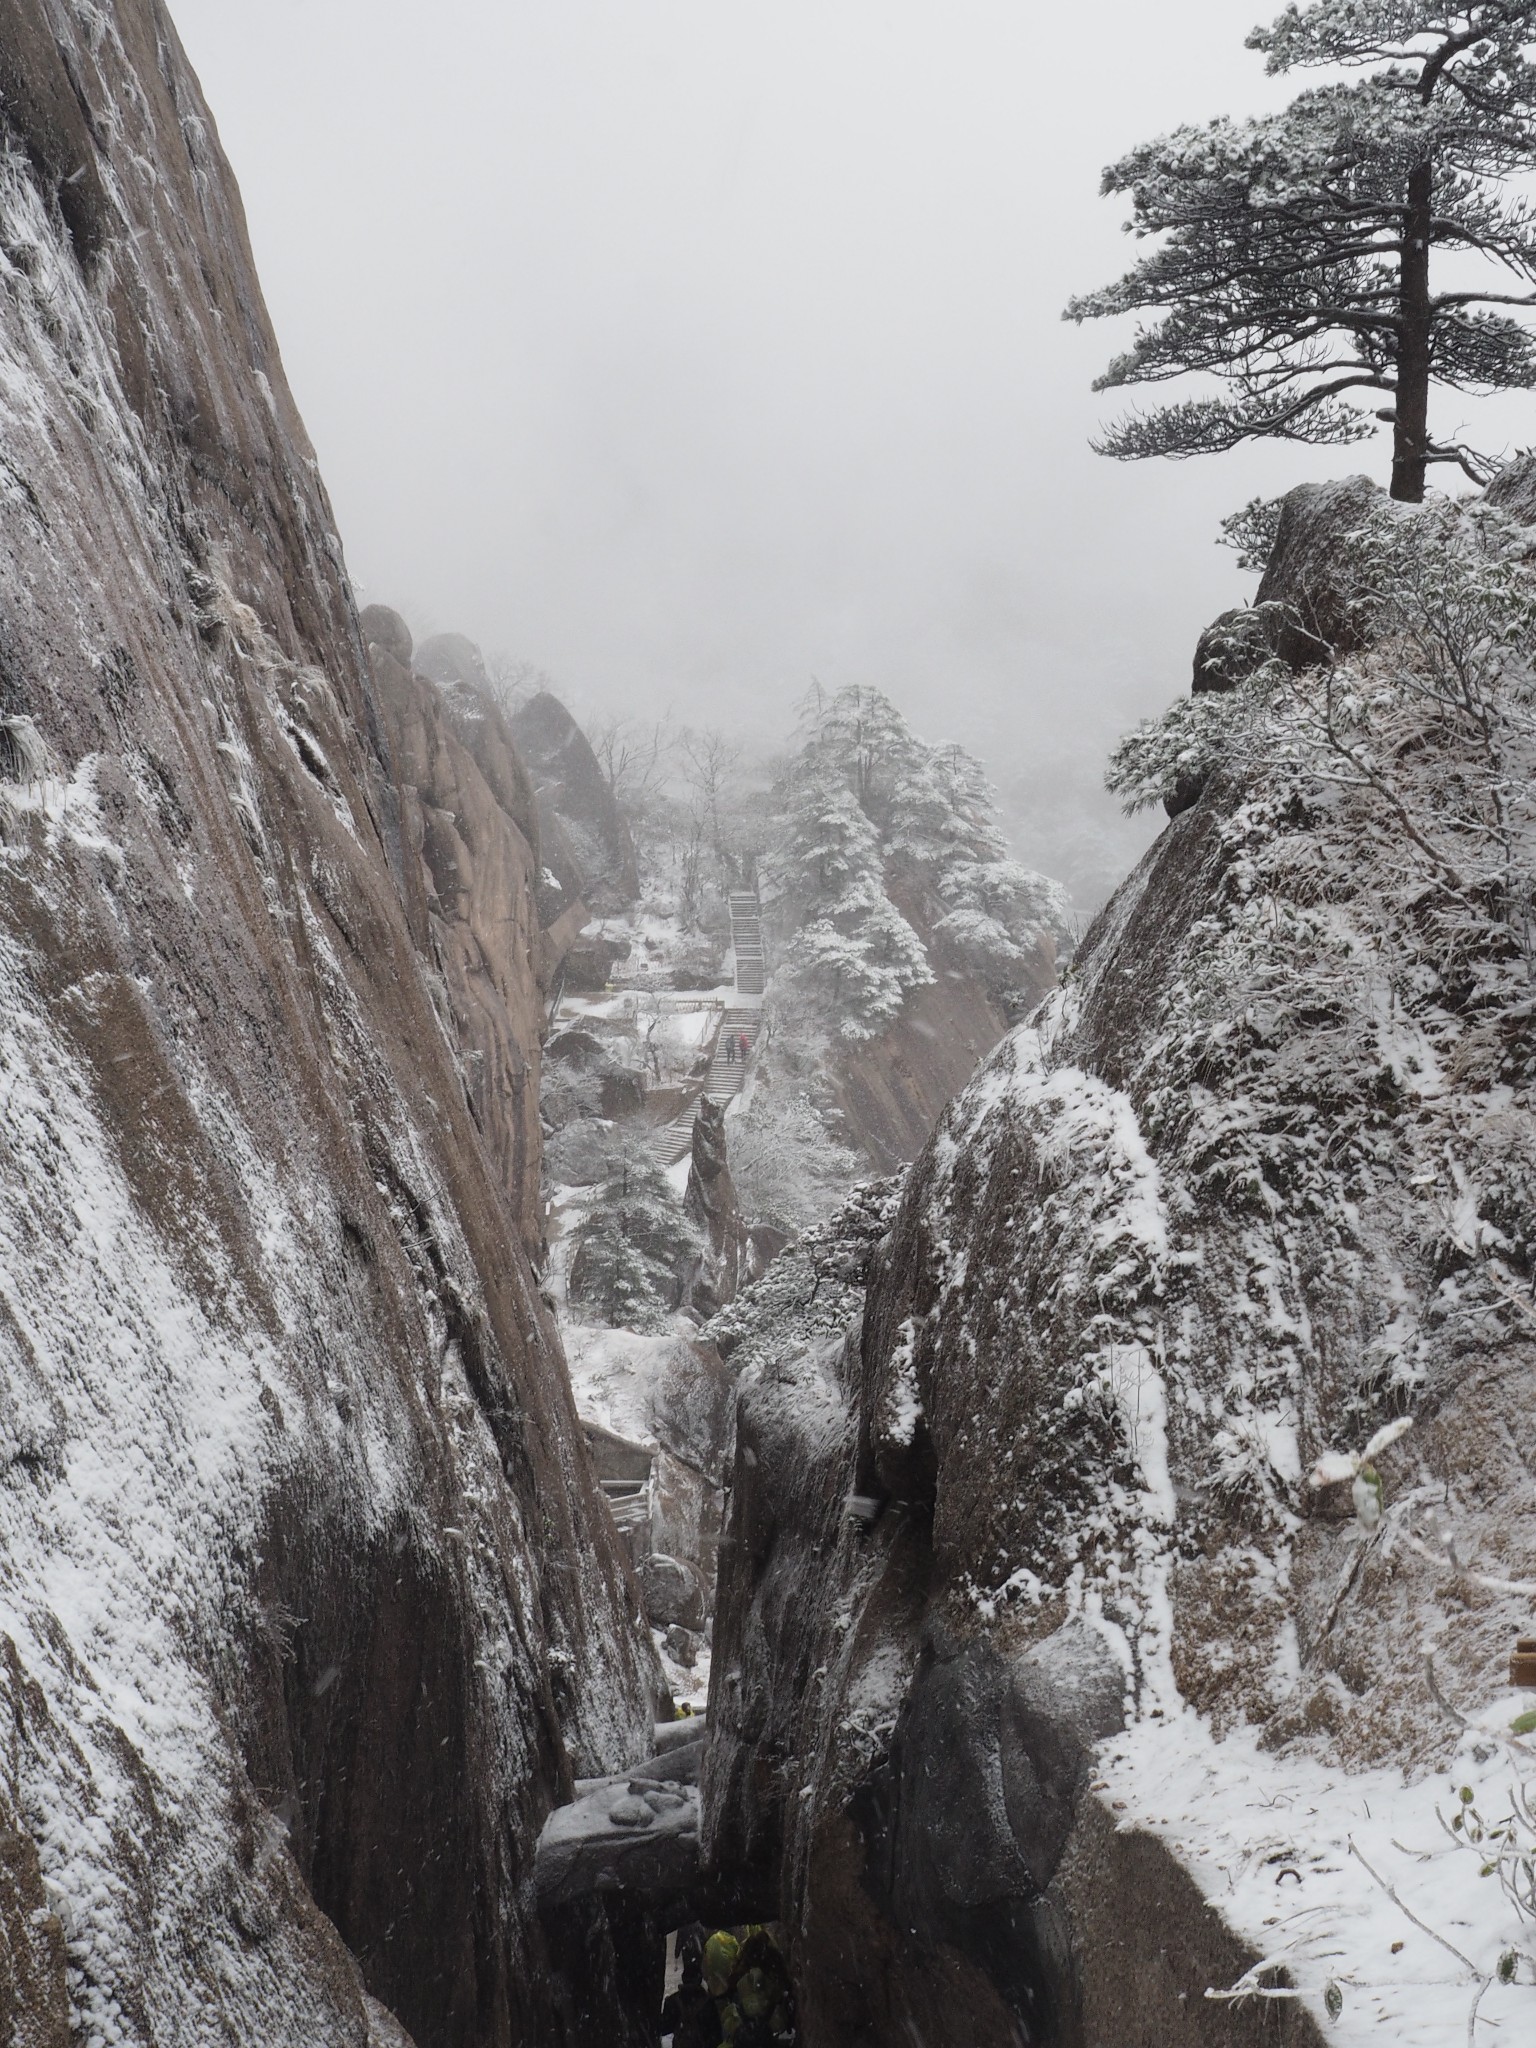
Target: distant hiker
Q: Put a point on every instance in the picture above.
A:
(690, 2015)
(730, 1050)
(720, 1953)
(745, 1044)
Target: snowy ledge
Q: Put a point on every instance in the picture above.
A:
(1301, 1860)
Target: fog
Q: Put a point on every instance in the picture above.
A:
(690, 350)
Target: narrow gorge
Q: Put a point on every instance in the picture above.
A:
(572, 1370)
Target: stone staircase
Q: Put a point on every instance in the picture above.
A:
(747, 939)
(671, 1142)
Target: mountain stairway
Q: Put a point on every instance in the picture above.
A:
(672, 1142)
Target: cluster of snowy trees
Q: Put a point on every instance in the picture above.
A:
(889, 862)
(637, 1244)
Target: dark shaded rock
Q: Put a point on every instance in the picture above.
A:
(577, 1049)
(623, 1094)
(889, 1091)
(588, 843)
(369, 1614)
(49, 116)
(682, 1645)
(1307, 573)
(384, 628)
(467, 870)
(590, 961)
(1236, 645)
(1513, 490)
(701, 968)
(710, 1197)
(625, 1834)
(954, 1882)
(670, 1591)
(1188, 788)
(767, 1243)
(680, 1763)
(691, 1406)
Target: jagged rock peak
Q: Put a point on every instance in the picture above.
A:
(588, 844)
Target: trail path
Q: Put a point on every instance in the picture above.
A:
(671, 1142)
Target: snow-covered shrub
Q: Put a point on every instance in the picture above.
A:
(1432, 730)
(848, 942)
(583, 1152)
(568, 1094)
(1252, 532)
(787, 1167)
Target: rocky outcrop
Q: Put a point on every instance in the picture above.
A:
(890, 1091)
(728, 1259)
(663, 1406)
(1178, 1238)
(466, 854)
(453, 662)
(587, 842)
(311, 1608)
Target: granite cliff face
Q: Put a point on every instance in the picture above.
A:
(1026, 1548)
(462, 828)
(309, 1609)
(587, 843)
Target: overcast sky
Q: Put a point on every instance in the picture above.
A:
(692, 348)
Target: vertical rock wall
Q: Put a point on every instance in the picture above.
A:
(1250, 1198)
(308, 1608)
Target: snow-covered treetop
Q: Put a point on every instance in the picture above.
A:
(1296, 250)
(1479, 51)
(870, 811)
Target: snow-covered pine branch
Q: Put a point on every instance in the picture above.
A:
(1295, 250)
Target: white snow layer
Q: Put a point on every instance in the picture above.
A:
(1302, 1860)
(138, 1431)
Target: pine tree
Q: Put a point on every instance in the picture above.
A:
(1297, 264)
(877, 821)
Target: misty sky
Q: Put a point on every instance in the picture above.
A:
(692, 348)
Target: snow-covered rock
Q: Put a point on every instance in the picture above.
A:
(1051, 1692)
(309, 1609)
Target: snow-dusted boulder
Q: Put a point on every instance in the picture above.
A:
(587, 837)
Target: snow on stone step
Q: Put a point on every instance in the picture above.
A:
(747, 942)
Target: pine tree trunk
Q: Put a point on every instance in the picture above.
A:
(1410, 437)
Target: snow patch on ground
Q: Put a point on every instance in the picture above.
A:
(1285, 1847)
